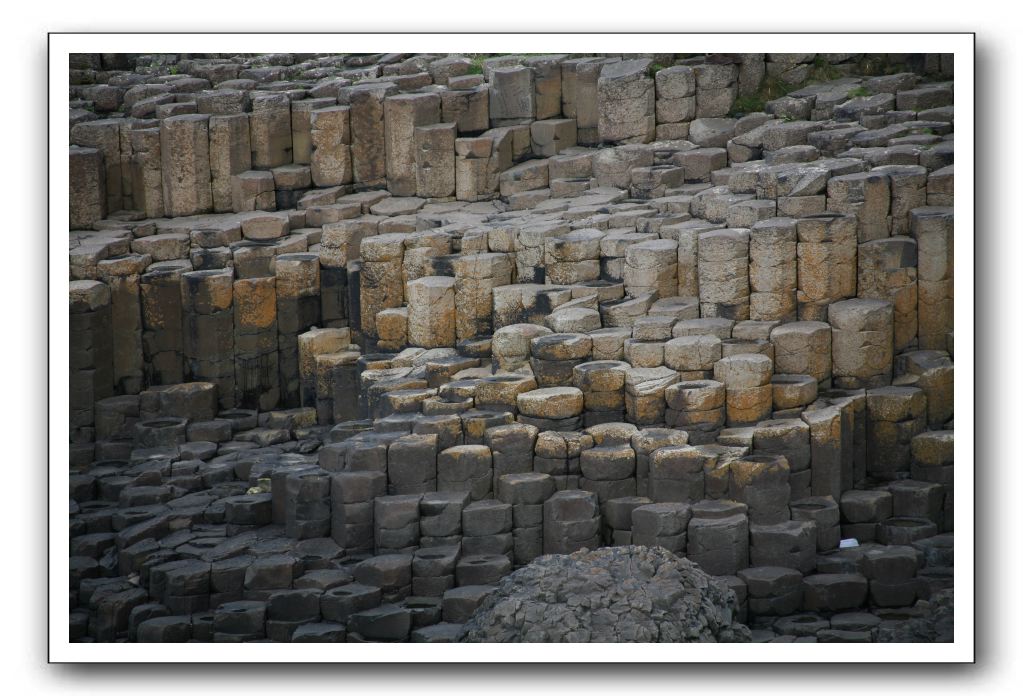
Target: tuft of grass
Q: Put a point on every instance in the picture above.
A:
(477, 62)
(823, 71)
(174, 70)
(748, 104)
(654, 69)
(859, 92)
(876, 64)
(770, 88)
(775, 88)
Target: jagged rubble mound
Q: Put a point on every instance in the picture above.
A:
(936, 625)
(621, 594)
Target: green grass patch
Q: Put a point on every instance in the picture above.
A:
(748, 104)
(823, 71)
(859, 92)
(770, 88)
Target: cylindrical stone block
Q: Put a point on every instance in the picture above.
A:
(185, 156)
(772, 270)
(861, 343)
(431, 312)
(826, 263)
(723, 260)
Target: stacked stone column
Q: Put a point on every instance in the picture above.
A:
(313, 344)
(336, 381)
(826, 263)
(552, 408)
(330, 155)
(571, 521)
(831, 455)
(435, 160)
(466, 468)
(602, 383)
(230, 155)
(87, 195)
(500, 392)
(867, 196)
(748, 393)
(555, 356)
(723, 266)
(909, 191)
(301, 126)
(824, 513)
(369, 159)
(402, 114)
(791, 394)
(122, 275)
(440, 520)
(512, 96)
(147, 175)
(933, 372)
(412, 464)
(861, 343)
(475, 175)
(698, 407)
(511, 447)
(791, 544)
(772, 270)
(626, 101)
(717, 538)
(207, 305)
(270, 130)
(308, 504)
(716, 89)
(789, 438)
(693, 356)
(487, 530)
(185, 157)
(161, 324)
(609, 471)
(431, 312)
(257, 382)
(644, 443)
(557, 454)
(573, 257)
(511, 345)
(676, 101)
(298, 309)
(663, 525)
(476, 275)
(644, 394)
(613, 250)
(91, 353)
(677, 474)
(803, 348)
(933, 228)
(762, 484)
(895, 415)
(396, 524)
(380, 278)
(887, 271)
(651, 267)
(104, 135)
